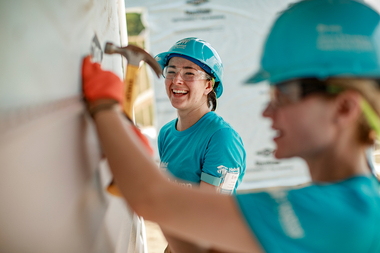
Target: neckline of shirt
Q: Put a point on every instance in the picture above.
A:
(193, 127)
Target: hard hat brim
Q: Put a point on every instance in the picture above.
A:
(258, 77)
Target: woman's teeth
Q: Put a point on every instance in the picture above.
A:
(179, 91)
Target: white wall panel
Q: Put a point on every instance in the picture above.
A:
(52, 179)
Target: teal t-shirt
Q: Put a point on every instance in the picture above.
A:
(338, 217)
(210, 150)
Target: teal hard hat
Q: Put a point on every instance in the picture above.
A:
(321, 39)
(199, 52)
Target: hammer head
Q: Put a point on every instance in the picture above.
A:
(134, 56)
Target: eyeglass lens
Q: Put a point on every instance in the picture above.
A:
(293, 91)
(285, 93)
(188, 74)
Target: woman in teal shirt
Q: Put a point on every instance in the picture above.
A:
(198, 148)
(322, 60)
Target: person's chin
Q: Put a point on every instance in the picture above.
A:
(178, 106)
(277, 154)
(282, 150)
(280, 153)
(175, 103)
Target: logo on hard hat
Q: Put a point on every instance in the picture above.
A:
(332, 38)
(328, 28)
(182, 42)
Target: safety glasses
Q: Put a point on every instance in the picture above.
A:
(188, 74)
(291, 92)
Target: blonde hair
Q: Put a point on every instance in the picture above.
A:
(370, 91)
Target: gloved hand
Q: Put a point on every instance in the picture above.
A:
(100, 84)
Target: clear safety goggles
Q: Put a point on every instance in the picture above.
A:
(188, 74)
(291, 92)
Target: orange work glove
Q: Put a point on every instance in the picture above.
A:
(100, 84)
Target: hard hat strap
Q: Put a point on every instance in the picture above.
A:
(371, 116)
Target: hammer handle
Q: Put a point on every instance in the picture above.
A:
(130, 89)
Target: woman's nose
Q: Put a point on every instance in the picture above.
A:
(178, 77)
(268, 111)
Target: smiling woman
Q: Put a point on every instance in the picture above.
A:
(188, 88)
(198, 148)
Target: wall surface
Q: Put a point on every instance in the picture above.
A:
(52, 177)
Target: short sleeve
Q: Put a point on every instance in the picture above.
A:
(224, 150)
(312, 219)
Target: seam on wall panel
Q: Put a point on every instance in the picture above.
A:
(12, 119)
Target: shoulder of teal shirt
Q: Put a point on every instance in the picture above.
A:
(321, 207)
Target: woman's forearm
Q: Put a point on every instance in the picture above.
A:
(134, 170)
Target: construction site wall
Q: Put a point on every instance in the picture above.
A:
(52, 175)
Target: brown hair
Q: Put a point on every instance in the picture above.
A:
(211, 96)
(211, 99)
(370, 91)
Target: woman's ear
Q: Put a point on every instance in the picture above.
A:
(348, 107)
(209, 87)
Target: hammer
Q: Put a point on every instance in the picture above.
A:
(134, 56)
